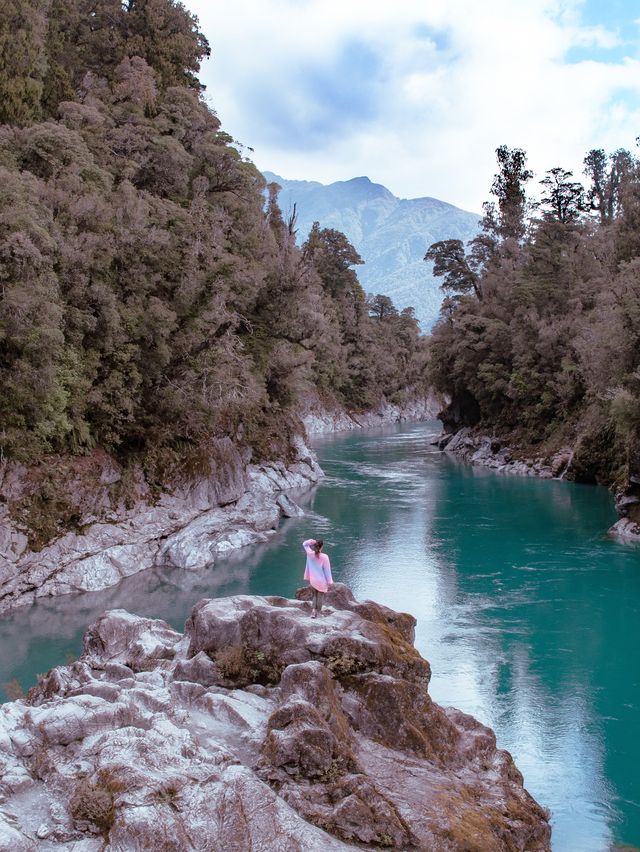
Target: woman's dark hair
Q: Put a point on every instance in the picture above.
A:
(317, 547)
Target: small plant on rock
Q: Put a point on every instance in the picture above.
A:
(343, 665)
(168, 793)
(337, 768)
(244, 665)
(13, 690)
(93, 803)
(230, 662)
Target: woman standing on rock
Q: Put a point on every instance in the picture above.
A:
(317, 571)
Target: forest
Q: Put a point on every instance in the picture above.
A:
(538, 338)
(152, 295)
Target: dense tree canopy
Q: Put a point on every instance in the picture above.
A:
(544, 341)
(148, 297)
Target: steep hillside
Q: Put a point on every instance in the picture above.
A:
(150, 306)
(391, 234)
(539, 348)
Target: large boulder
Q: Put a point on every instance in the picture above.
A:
(259, 728)
(348, 642)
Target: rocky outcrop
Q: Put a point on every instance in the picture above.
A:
(228, 505)
(490, 451)
(626, 530)
(320, 420)
(259, 728)
(628, 497)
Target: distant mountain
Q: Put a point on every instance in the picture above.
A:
(391, 234)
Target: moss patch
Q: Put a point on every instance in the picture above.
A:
(241, 665)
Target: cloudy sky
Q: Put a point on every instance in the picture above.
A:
(417, 94)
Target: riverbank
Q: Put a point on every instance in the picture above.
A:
(508, 577)
(321, 419)
(234, 731)
(492, 452)
(233, 504)
(111, 529)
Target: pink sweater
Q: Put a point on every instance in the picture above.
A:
(318, 568)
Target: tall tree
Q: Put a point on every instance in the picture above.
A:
(508, 187)
(334, 257)
(607, 175)
(23, 62)
(452, 265)
(563, 200)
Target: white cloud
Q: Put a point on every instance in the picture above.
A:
(416, 96)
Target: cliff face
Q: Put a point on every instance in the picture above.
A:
(320, 419)
(259, 728)
(229, 504)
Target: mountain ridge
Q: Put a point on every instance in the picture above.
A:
(391, 234)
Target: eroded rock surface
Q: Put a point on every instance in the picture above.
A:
(231, 505)
(320, 420)
(259, 728)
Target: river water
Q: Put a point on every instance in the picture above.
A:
(527, 611)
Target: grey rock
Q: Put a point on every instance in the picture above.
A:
(624, 502)
(323, 738)
(626, 530)
(458, 440)
(116, 671)
(320, 420)
(199, 669)
(224, 481)
(288, 508)
(12, 839)
(486, 450)
(231, 505)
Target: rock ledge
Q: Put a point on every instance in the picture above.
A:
(234, 505)
(259, 728)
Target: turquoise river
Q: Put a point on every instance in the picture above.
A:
(527, 611)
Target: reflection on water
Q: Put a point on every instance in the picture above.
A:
(527, 612)
(35, 638)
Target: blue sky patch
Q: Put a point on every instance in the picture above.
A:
(439, 38)
(621, 18)
(336, 95)
(616, 15)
